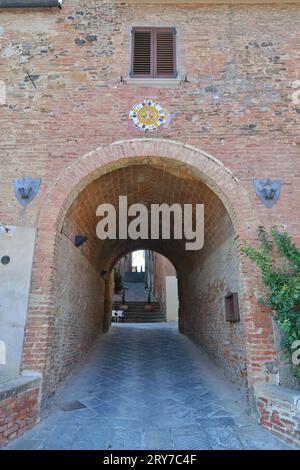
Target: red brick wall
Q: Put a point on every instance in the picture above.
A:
(240, 62)
(78, 310)
(217, 272)
(279, 412)
(18, 413)
(238, 104)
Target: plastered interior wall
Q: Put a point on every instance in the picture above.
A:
(15, 278)
(171, 298)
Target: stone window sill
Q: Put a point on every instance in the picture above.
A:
(204, 2)
(154, 82)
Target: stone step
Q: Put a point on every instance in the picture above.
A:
(136, 312)
(136, 309)
(144, 320)
(143, 314)
(142, 310)
(134, 277)
(136, 304)
(144, 317)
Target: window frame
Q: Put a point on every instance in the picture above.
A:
(153, 53)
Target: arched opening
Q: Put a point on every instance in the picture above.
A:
(74, 303)
(146, 282)
(83, 299)
(162, 282)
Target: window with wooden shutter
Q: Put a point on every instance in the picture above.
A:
(153, 53)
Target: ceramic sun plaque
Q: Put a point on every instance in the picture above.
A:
(148, 116)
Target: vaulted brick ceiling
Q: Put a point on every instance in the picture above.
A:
(147, 183)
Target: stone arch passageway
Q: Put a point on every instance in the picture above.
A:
(72, 304)
(204, 276)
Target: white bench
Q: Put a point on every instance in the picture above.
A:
(117, 316)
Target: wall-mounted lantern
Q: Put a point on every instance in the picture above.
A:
(104, 275)
(80, 240)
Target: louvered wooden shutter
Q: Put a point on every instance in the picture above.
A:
(153, 53)
(142, 53)
(165, 53)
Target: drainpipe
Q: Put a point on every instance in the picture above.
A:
(30, 3)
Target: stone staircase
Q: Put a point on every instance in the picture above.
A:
(137, 314)
(134, 277)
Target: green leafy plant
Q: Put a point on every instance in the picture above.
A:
(118, 278)
(279, 261)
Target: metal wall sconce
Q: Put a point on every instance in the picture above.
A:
(104, 275)
(80, 240)
(232, 312)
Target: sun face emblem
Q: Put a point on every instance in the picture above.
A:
(148, 115)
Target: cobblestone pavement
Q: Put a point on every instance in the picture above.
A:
(147, 387)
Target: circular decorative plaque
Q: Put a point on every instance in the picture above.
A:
(148, 115)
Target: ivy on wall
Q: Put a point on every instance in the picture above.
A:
(279, 261)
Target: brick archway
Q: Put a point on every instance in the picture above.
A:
(74, 179)
(104, 159)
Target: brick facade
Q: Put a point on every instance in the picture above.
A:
(78, 310)
(19, 408)
(216, 275)
(279, 412)
(59, 212)
(65, 120)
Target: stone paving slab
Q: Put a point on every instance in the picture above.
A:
(147, 387)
